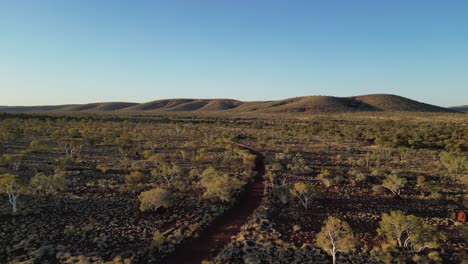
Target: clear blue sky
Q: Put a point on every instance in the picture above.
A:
(80, 51)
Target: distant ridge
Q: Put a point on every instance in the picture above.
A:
(41, 108)
(306, 104)
(111, 106)
(461, 108)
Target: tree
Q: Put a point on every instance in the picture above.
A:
(8, 183)
(423, 237)
(336, 236)
(421, 184)
(15, 160)
(304, 192)
(410, 232)
(71, 147)
(154, 199)
(219, 186)
(394, 183)
(393, 226)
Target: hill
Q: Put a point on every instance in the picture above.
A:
(394, 103)
(306, 104)
(462, 108)
(111, 106)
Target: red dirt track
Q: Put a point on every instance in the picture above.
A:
(219, 233)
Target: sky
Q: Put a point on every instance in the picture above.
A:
(83, 51)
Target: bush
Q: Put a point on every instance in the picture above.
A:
(282, 193)
(103, 168)
(154, 199)
(219, 186)
(134, 180)
(36, 146)
(158, 240)
(328, 179)
(454, 163)
(49, 185)
(357, 177)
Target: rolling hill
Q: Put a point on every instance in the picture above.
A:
(306, 104)
(462, 108)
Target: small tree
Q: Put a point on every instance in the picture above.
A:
(409, 231)
(394, 183)
(154, 199)
(304, 192)
(15, 160)
(421, 184)
(167, 172)
(9, 185)
(393, 226)
(71, 147)
(336, 236)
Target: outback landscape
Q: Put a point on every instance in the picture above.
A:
(365, 179)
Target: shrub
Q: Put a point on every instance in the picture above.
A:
(328, 179)
(37, 145)
(454, 163)
(219, 186)
(357, 177)
(154, 199)
(49, 185)
(282, 193)
(134, 180)
(103, 168)
(158, 240)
